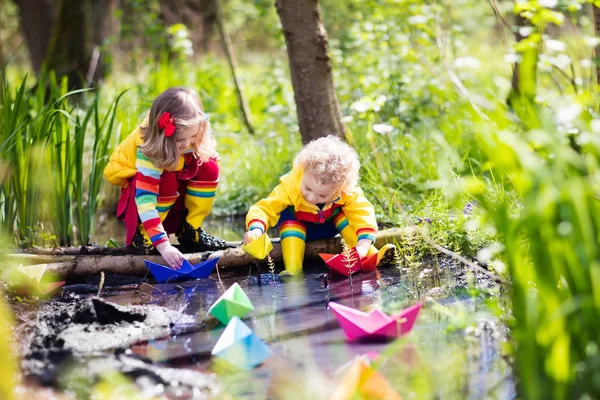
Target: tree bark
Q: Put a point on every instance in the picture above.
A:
(67, 36)
(37, 18)
(596, 12)
(69, 53)
(104, 25)
(239, 87)
(310, 66)
(199, 16)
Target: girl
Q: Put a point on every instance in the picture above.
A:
(317, 199)
(168, 173)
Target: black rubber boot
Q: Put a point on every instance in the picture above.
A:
(199, 240)
(141, 245)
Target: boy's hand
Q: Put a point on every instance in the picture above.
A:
(251, 235)
(172, 256)
(362, 247)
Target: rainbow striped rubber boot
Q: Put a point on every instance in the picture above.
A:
(293, 243)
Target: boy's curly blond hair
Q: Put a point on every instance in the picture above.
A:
(332, 161)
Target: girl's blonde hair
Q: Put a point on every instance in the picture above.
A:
(332, 161)
(186, 109)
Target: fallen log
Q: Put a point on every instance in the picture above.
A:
(86, 265)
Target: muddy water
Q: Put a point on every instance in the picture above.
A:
(453, 351)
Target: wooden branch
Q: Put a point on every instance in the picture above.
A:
(239, 87)
(461, 259)
(92, 250)
(86, 265)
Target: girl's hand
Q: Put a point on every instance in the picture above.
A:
(362, 247)
(215, 157)
(251, 235)
(172, 256)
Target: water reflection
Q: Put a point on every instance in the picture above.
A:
(309, 348)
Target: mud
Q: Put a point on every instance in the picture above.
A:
(93, 334)
(163, 346)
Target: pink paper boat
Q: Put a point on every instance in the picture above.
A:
(376, 325)
(339, 263)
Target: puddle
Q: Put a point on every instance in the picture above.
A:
(452, 352)
(160, 336)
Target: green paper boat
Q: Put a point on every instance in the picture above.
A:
(233, 303)
(259, 247)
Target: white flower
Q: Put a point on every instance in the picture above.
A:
(525, 31)
(568, 114)
(484, 255)
(548, 3)
(404, 106)
(362, 106)
(564, 228)
(417, 19)
(498, 266)
(591, 41)
(555, 45)
(383, 128)
(562, 61)
(512, 58)
(466, 62)
(586, 63)
(596, 125)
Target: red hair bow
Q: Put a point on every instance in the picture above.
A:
(166, 123)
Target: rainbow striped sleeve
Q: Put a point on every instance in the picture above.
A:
(361, 215)
(366, 233)
(146, 198)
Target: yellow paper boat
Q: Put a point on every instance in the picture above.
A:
(33, 272)
(259, 247)
(363, 382)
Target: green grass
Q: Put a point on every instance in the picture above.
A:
(423, 88)
(42, 143)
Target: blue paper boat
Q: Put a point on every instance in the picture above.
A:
(239, 347)
(202, 270)
(162, 273)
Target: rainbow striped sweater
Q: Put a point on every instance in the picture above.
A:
(146, 197)
(359, 212)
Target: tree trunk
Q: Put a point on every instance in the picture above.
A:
(596, 11)
(520, 22)
(67, 35)
(199, 16)
(310, 66)
(70, 52)
(104, 25)
(236, 258)
(239, 87)
(37, 18)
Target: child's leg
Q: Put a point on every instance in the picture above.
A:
(198, 202)
(293, 241)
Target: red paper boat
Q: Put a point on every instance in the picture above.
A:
(340, 264)
(369, 263)
(376, 325)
